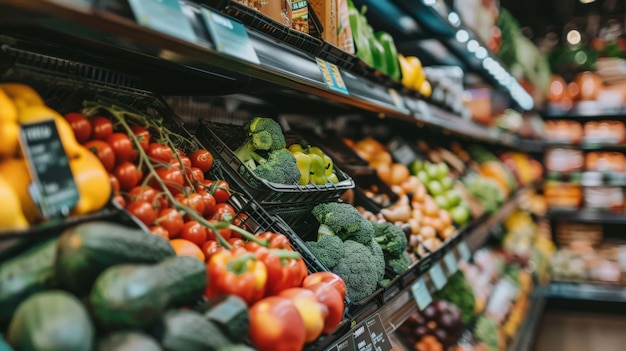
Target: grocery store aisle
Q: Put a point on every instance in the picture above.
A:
(581, 331)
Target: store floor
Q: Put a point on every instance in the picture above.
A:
(581, 331)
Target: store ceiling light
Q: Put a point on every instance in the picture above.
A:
(454, 19)
(481, 53)
(587, 1)
(574, 37)
(472, 45)
(462, 36)
(430, 2)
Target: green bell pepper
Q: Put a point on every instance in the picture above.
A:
(358, 25)
(378, 52)
(391, 54)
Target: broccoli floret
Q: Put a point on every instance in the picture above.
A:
(328, 248)
(345, 220)
(262, 134)
(281, 167)
(390, 237)
(400, 264)
(358, 270)
(379, 258)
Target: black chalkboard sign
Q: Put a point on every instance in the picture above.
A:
(53, 188)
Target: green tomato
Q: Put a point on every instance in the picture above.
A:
(442, 171)
(423, 177)
(447, 183)
(454, 197)
(442, 202)
(460, 214)
(435, 188)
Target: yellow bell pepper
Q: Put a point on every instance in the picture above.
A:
(318, 170)
(92, 181)
(11, 216)
(35, 113)
(15, 172)
(304, 165)
(22, 94)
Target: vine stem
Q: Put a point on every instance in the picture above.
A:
(119, 116)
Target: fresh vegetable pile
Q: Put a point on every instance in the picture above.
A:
(437, 327)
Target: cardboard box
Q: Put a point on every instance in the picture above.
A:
(300, 15)
(326, 11)
(344, 33)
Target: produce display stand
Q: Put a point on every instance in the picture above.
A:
(86, 34)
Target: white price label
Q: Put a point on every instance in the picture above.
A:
(450, 261)
(437, 276)
(421, 294)
(464, 251)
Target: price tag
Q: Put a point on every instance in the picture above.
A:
(229, 37)
(421, 294)
(332, 76)
(397, 99)
(437, 276)
(362, 338)
(165, 16)
(82, 4)
(423, 110)
(464, 251)
(450, 262)
(345, 344)
(53, 187)
(380, 340)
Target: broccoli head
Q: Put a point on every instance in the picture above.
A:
(345, 221)
(262, 134)
(280, 167)
(390, 237)
(379, 257)
(400, 264)
(358, 270)
(328, 249)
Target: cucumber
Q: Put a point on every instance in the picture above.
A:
(128, 340)
(185, 330)
(24, 275)
(230, 314)
(236, 347)
(86, 250)
(135, 296)
(51, 321)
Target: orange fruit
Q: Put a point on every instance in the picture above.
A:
(184, 247)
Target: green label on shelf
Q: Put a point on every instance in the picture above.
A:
(464, 251)
(437, 276)
(332, 76)
(421, 294)
(165, 16)
(53, 187)
(229, 37)
(450, 261)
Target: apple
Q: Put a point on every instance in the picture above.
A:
(442, 202)
(447, 183)
(435, 188)
(460, 214)
(442, 171)
(454, 197)
(312, 312)
(423, 177)
(416, 166)
(432, 170)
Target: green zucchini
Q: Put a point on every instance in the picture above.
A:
(86, 250)
(133, 295)
(24, 275)
(236, 347)
(51, 321)
(185, 330)
(230, 314)
(128, 340)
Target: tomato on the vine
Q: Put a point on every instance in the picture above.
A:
(223, 212)
(160, 231)
(223, 232)
(209, 202)
(184, 160)
(128, 175)
(240, 221)
(171, 220)
(202, 159)
(143, 210)
(210, 248)
(172, 177)
(115, 184)
(143, 135)
(146, 193)
(195, 174)
(103, 151)
(194, 232)
(236, 242)
(160, 152)
(122, 147)
(194, 201)
(101, 128)
(80, 125)
(221, 191)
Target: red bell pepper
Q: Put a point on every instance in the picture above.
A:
(285, 268)
(237, 272)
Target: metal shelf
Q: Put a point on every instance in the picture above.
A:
(585, 110)
(525, 338)
(587, 291)
(588, 146)
(589, 179)
(168, 65)
(588, 216)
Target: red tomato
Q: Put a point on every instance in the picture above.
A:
(186, 162)
(115, 184)
(202, 159)
(173, 179)
(119, 200)
(312, 312)
(194, 232)
(236, 242)
(160, 231)
(224, 232)
(193, 201)
(210, 248)
(160, 152)
(80, 125)
(143, 135)
(143, 210)
(240, 221)
(171, 220)
(209, 202)
(104, 151)
(326, 277)
(327, 295)
(223, 212)
(122, 147)
(146, 193)
(195, 174)
(276, 325)
(101, 128)
(128, 175)
(222, 191)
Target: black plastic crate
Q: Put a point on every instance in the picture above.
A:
(222, 139)
(342, 59)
